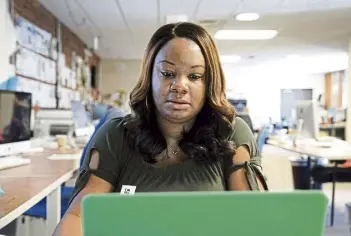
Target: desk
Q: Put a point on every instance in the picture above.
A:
(340, 150)
(25, 186)
(332, 128)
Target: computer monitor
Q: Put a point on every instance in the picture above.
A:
(82, 125)
(99, 111)
(15, 117)
(307, 119)
(239, 104)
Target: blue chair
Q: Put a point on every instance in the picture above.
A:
(262, 137)
(39, 210)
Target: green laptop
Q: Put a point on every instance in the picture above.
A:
(205, 214)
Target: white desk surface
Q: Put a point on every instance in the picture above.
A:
(339, 150)
(25, 186)
(333, 126)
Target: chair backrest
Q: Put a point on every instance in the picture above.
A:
(262, 136)
(111, 113)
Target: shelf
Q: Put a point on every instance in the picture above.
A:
(68, 88)
(32, 50)
(31, 78)
(53, 109)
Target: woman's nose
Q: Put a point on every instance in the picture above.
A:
(179, 84)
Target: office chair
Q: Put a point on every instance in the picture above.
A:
(39, 210)
(262, 137)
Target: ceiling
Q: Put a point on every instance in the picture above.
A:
(305, 27)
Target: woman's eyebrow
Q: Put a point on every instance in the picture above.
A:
(195, 66)
(165, 61)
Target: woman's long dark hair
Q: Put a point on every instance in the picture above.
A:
(208, 138)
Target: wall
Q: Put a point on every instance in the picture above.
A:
(348, 84)
(262, 90)
(118, 74)
(3, 38)
(33, 11)
(7, 39)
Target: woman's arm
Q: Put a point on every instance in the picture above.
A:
(237, 180)
(99, 172)
(71, 223)
(242, 169)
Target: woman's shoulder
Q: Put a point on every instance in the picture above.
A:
(241, 129)
(242, 135)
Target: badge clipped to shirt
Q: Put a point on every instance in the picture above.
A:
(128, 190)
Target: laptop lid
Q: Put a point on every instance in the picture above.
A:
(205, 214)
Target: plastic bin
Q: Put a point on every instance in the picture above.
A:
(301, 175)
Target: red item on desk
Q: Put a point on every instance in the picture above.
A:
(347, 164)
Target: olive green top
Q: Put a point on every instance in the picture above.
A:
(119, 165)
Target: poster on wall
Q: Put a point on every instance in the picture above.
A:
(33, 37)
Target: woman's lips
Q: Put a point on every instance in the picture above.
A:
(178, 105)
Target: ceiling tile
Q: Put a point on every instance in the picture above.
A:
(260, 6)
(216, 10)
(298, 22)
(179, 7)
(105, 15)
(138, 11)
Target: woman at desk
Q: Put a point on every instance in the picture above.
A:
(183, 134)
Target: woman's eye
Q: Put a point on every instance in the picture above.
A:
(195, 76)
(167, 74)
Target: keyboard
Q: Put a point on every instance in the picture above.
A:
(13, 161)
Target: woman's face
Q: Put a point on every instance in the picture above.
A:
(178, 81)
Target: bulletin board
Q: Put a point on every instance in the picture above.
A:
(36, 63)
(41, 68)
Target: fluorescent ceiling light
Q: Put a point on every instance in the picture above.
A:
(247, 17)
(230, 58)
(245, 34)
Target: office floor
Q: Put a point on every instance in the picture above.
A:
(342, 196)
